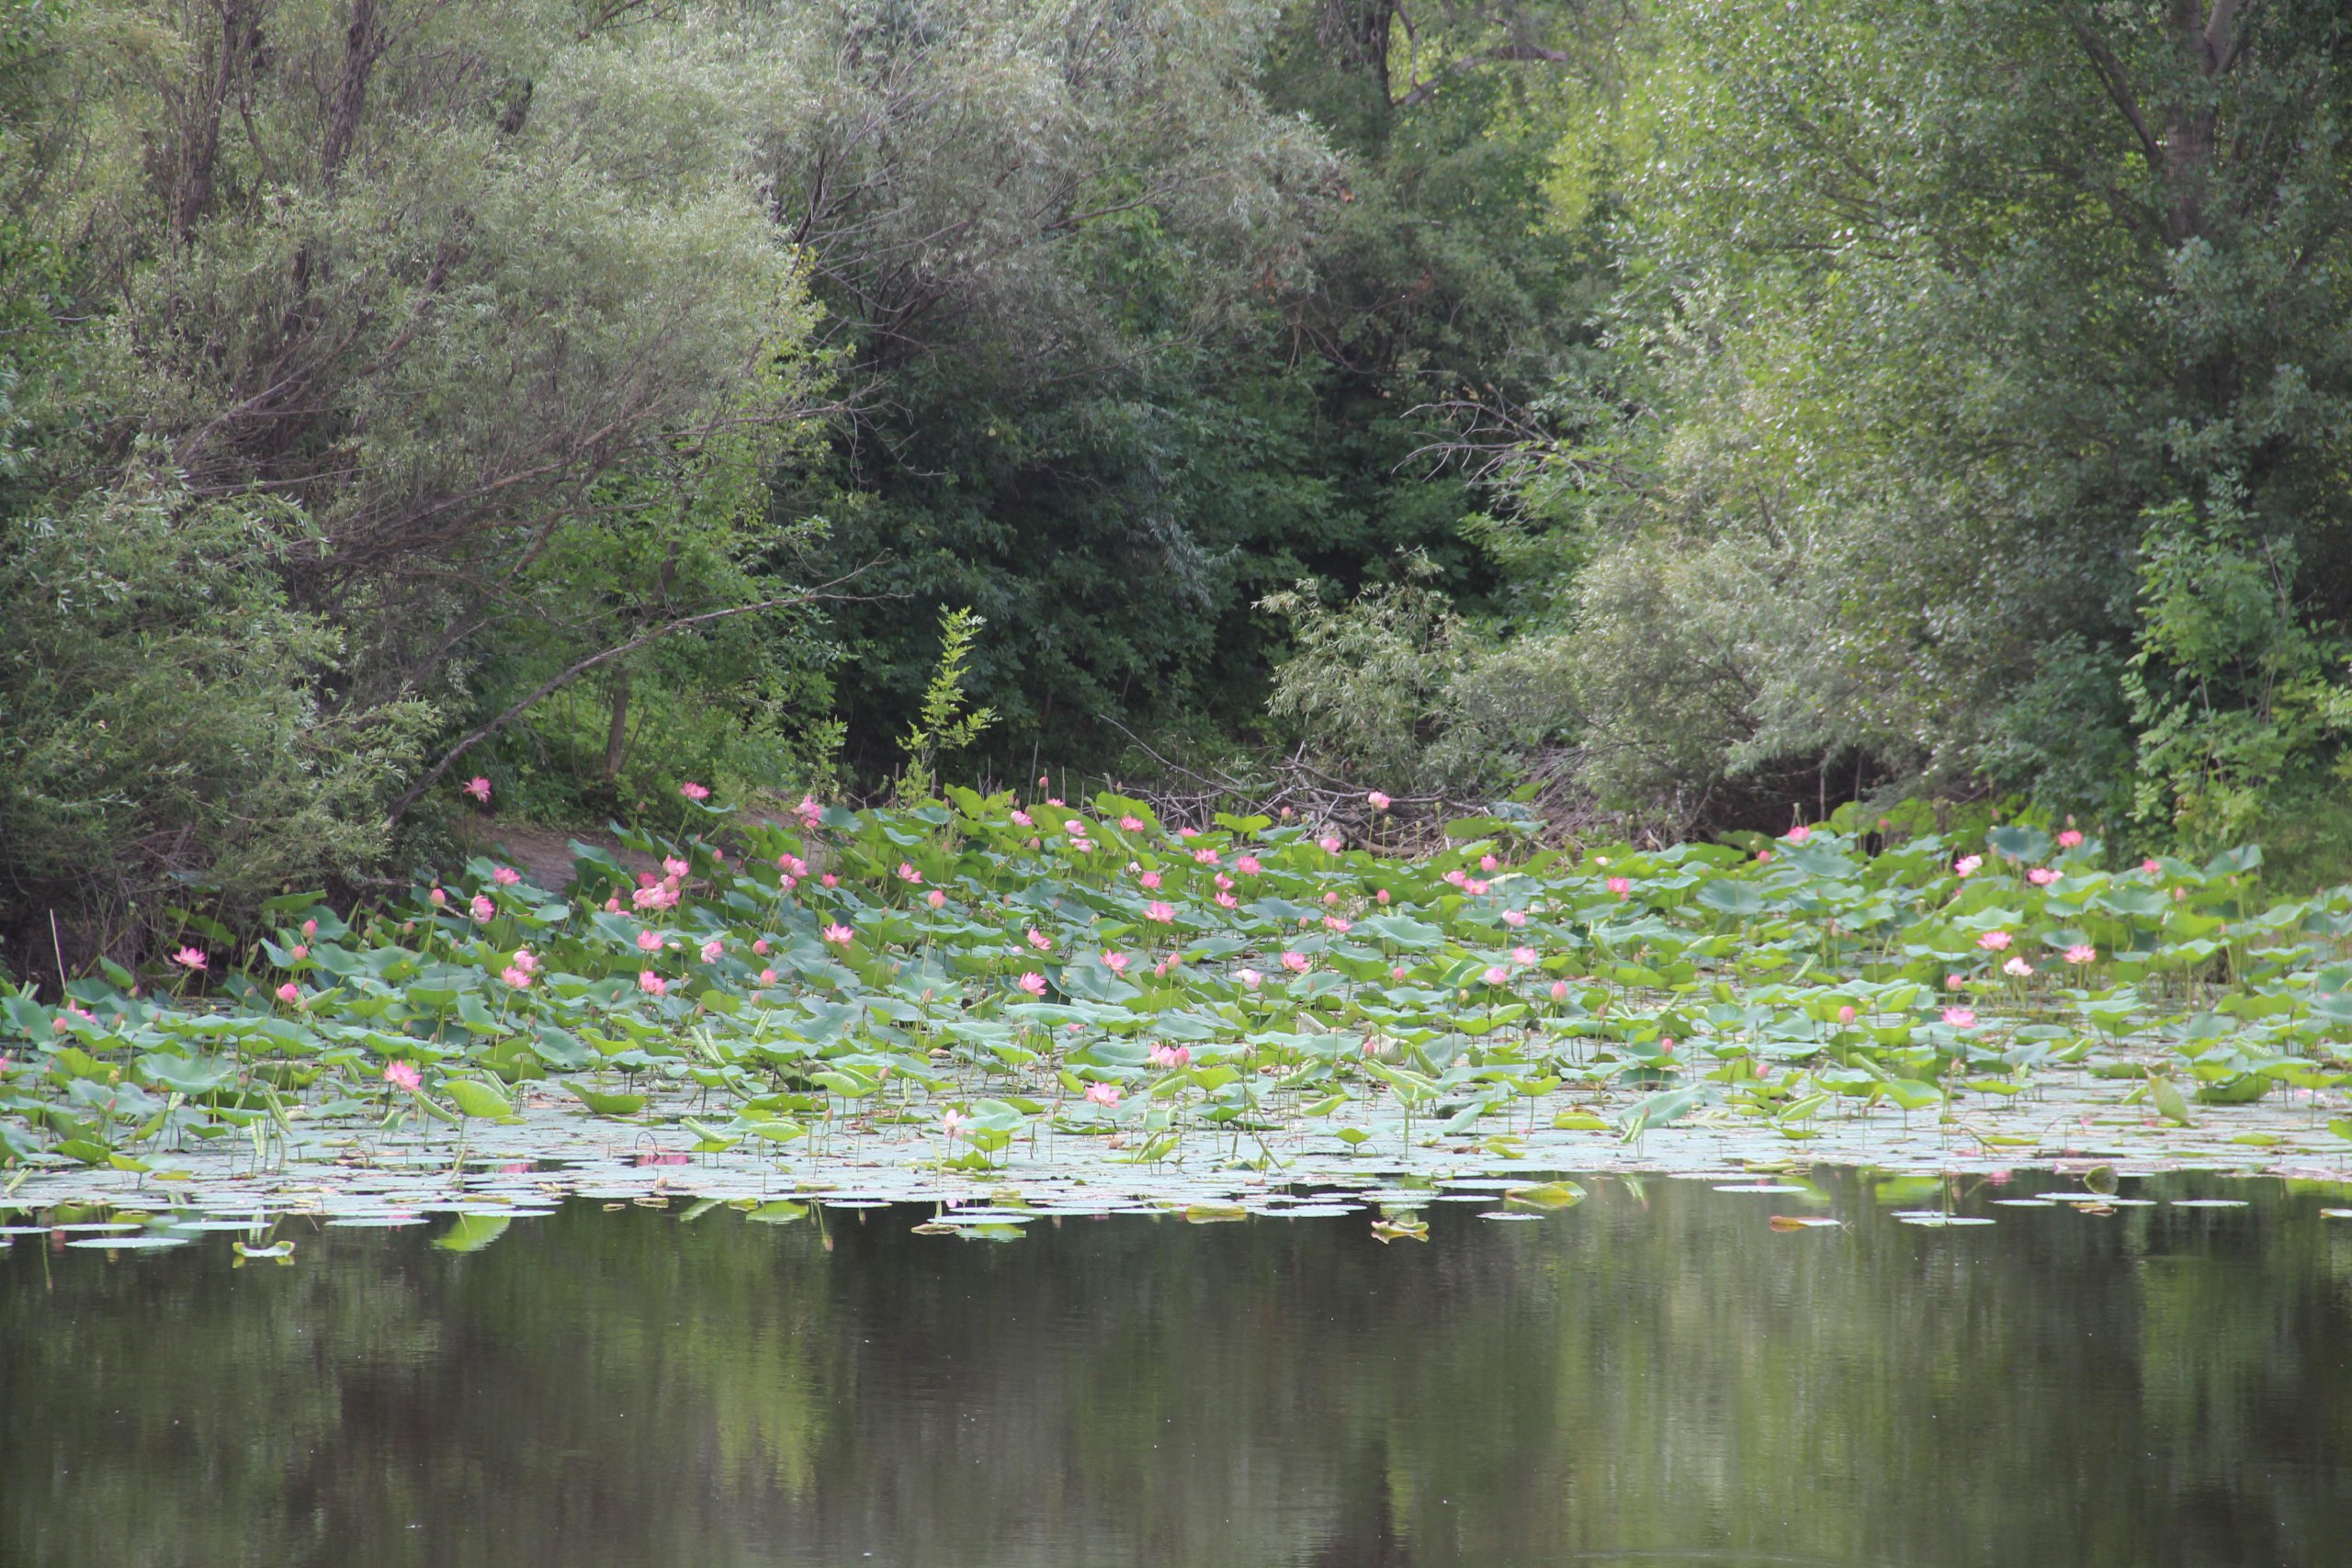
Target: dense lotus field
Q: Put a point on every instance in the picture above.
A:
(972, 988)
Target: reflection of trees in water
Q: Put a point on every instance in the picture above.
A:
(1365, 1534)
(1654, 1370)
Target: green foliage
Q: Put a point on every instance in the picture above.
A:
(1150, 413)
(1927, 308)
(944, 724)
(1397, 690)
(2231, 690)
(973, 972)
(469, 313)
(162, 725)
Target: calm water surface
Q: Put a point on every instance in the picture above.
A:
(1653, 1377)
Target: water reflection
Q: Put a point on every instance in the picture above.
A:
(1652, 1377)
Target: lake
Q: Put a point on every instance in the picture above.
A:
(1656, 1375)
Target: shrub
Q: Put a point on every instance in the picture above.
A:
(167, 722)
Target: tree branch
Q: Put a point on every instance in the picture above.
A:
(1422, 91)
(556, 682)
(2118, 82)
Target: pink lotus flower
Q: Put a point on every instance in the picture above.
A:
(907, 871)
(191, 958)
(1331, 843)
(1476, 888)
(1333, 923)
(953, 1124)
(301, 953)
(1117, 963)
(1131, 824)
(1846, 1013)
(517, 977)
(1496, 974)
(611, 905)
(507, 876)
(1798, 834)
(1053, 800)
(526, 961)
(1295, 963)
(1397, 971)
(403, 1075)
(768, 976)
(653, 985)
(1163, 914)
(1954, 982)
(1227, 902)
(1994, 942)
(289, 993)
(1960, 1018)
(2152, 867)
(693, 791)
(2082, 953)
(479, 787)
(657, 896)
(2017, 966)
(484, 911)
(1103, 1095)
(1559, 990)
(935, 898)
(1249, 865)
(1515, 919)
(809, 811)
(1456, 876)
(1150, 880)
(1188, 832)
(1488, 863)
(310, 928)
(648, 940)
(712, 950)
(1075, 827)
(1171, 1056)
(838, 934)
(1250, 979)
(1381, 896)
(1968, 865)
(792, 865)
(1620, 885)
(2070, 839)
(1379, 801)
(1040, 941)
(1762, 856)
(436, 898)
(1204, 857)
(2042, 876)
(1032, 983)
(1522, 955)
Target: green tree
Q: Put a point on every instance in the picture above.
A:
(1927, 308)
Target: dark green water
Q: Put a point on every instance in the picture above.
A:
(1653, 1377)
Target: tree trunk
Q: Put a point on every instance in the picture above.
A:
(616, 735)
(200, 132)
(363, 40)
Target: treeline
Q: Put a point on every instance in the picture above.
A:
(1707, 408)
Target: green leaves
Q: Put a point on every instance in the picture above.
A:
(478, 1098)
(1859, 989)
(606, 1104)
